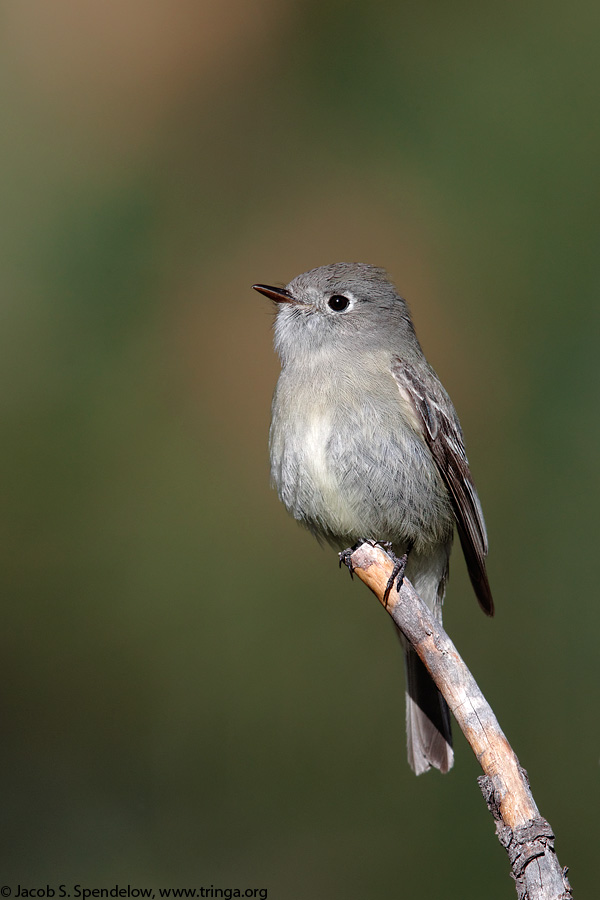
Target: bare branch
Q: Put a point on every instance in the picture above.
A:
(526, 836)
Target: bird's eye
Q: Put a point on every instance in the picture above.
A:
(338, 302)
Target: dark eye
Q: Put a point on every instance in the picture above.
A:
(338, 302)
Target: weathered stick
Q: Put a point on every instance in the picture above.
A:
(526, 836)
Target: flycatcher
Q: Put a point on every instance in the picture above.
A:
(365, 444)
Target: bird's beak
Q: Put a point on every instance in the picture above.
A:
(279, 295)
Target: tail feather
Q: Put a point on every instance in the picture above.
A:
(428, 731)
(428, 734)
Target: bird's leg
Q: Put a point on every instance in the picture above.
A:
(398, 571)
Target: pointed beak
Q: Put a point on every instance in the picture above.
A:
(279, 295)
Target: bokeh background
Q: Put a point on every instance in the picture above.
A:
(191, 692)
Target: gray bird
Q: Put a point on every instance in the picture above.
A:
(365, 444)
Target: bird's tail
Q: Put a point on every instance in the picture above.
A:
(428, 732)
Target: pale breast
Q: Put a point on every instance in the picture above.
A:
(348, 462)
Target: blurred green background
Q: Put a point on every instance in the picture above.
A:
(191, 692)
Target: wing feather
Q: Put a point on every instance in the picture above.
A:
(443, 435)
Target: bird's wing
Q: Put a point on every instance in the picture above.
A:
(442, 433)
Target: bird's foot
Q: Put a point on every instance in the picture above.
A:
(397, 576)
(345, 556)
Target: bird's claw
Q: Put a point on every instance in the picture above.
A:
(397, 576)
(345, 556)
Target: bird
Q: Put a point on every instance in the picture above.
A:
(365, 444)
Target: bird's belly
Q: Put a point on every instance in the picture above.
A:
(350, 477)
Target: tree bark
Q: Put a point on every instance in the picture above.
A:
(525, 835)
